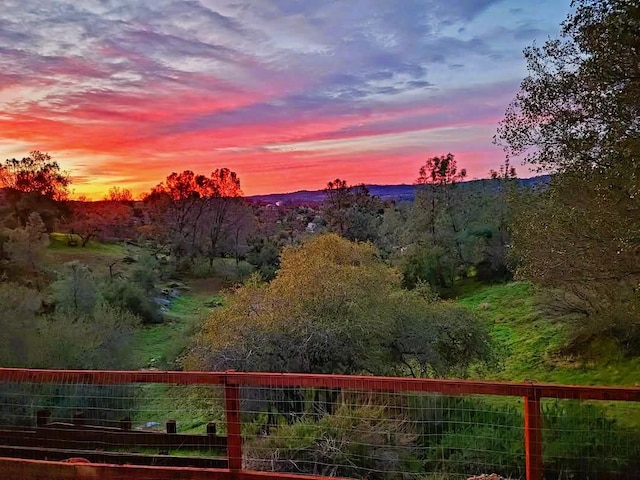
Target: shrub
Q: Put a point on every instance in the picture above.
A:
(75, 292)
(18, 320)
(131, 297)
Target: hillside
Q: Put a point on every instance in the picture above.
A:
(529, 343)
(398, 193)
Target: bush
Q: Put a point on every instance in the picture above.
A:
(363, 440)
(146, 273)
(579, 441)
(131, 297)
(75, 292)
(18, 321)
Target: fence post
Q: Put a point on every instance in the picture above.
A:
(533, 435)
(234, 430)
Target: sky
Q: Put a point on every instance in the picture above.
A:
(290, 94)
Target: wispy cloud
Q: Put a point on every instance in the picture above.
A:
(124, 92)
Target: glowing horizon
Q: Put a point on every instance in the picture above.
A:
(287, 94)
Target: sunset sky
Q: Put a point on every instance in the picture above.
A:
(288, 93)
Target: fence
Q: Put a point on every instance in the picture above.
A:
(265, 425)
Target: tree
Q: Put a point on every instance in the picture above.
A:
(36, 173)
(75, 292)
(577, 115)
(191, 210)
(117, 194)
(439, 221)
(34, 183)
(176, 206)
(264, 254)
(578, 108)
(26, 247)
(106, 220)
(351, 211)
(436, 175)
(334, 307)
(495, 229)
(224, 213)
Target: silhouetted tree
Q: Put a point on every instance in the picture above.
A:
(351, 211)
(33, 184)
(36, 173)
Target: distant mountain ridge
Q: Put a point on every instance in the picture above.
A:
(398, 193)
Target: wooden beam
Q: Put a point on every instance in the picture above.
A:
(91, 438)
(352, 382)
(116, 458)
(13, 469)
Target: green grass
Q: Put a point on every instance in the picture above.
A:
(159, 346)
(530, 343)
(99, 257)
(59, 244)
(192, 407)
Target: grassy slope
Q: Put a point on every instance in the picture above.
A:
(159, 346)
(529, 342)
(98, 256)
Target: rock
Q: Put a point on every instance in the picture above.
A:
(162, 301)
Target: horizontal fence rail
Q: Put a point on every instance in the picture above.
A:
(276, 425)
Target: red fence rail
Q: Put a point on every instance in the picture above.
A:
(232, 381)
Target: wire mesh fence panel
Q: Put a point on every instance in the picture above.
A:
(321, 425)
(27, 404)
(380, 435)
(146, 424)
(591, 440)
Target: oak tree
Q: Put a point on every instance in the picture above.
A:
(577, 115)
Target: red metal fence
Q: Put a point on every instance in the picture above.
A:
(232, 384)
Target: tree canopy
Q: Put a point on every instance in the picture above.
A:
(335, 307)
(578, 115)
(36, 173)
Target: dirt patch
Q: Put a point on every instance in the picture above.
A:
(209, 286)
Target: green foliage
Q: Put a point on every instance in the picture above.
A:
(429, 264)
(360, 439)
(580, 438)
(146, 273)
(577, 116)
(437, 339)
(29, 337)
(351, 211)
(469, 436)
(335, 307)
(375, 436)
(531, 344)
(75, 292)
(26, 247)
(130, 296)
(18, 320)
(99, 340)
(577, 241)
(453, 229)
(264, 254)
